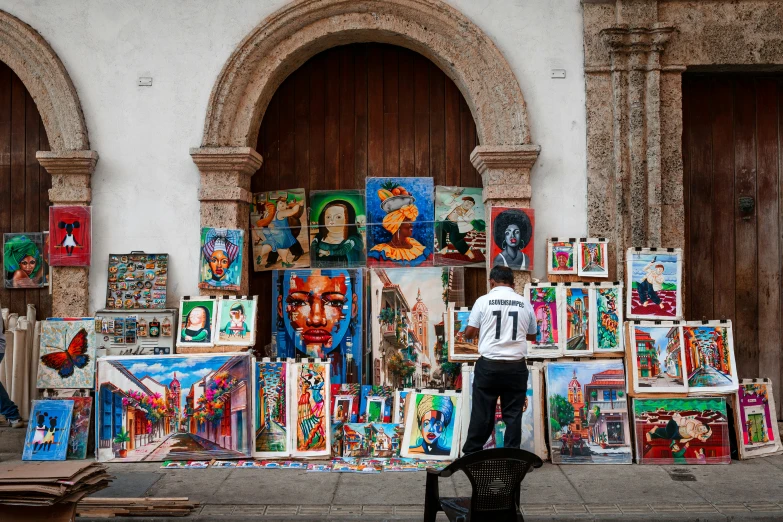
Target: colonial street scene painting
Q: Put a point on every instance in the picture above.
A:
(193, 407)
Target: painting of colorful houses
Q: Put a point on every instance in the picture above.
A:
(380, 440)
(174, 407)
(656, 354)
(588, 412)
(709, 357)
(756, 421)
(271, 427)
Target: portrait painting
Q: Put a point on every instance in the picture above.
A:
(545, 300)
(576, 300)
(23, 260)
(236, 321)
(511, 232)
(654, 283)
(278, 224)
(460, 226)
(272, 410)
(67, 354)
(196, 321)
(221, 258)
(432, 428)
(400, 222)
(338, 225)
(311, 415)
(657, 357)
(756, 419)
(70, 228)
(48, 430)
(460, 348)
(607, 318)
(593, 257)
(561, 257)
(709, 357)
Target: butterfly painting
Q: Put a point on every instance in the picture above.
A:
(67, 354)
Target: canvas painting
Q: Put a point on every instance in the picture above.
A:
(561, 257)
(398, 411)
(511, 232)
(576, 299)
(48, 430)
(657, 356)
(588, 412)
(70, 243)
(272, 410)
(460, 227)
(709, 357)
(654, 283)
(376, 405)
(688, 430)
(432, 428)
(545, 300)
(338, 226)
(408, 331)
(346, 399)
(278, 223)
(80, 428)
(607, 318)
(376, 440)
(23, 262)
(67, 356)
(221, 258)
(236, 321)
(311, 416)
(317, 313)
(196, 321)
(460, 348)
(174, 407)
(593, 257)
(400, 222)
(756, 419)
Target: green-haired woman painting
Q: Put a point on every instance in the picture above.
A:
(23, 262)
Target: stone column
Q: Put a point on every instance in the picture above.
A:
(225, 195)
(505, 174)
(71, 172)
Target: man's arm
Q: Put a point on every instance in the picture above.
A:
(471, 333)
(532, 327)
(474, 321)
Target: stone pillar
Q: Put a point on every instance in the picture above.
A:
(71, 172)
(505, 174)
(225, 195)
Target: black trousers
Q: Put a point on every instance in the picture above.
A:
(493, 380)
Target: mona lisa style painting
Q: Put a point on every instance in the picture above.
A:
(221, 258)
(337, 229)
(432, 426)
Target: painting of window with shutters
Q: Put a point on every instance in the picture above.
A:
(460, 227)
(311, 414)
(608, 318)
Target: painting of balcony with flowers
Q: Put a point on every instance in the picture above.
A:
(176, 407)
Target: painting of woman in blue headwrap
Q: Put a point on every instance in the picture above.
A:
(221, 258)
(431, 426)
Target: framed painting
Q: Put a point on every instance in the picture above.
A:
(588, 412)
(432, 428)
(221, 258)
(576, 341)
(48, 430)
(356, 440)
(545, 300)
(460, 348)
(511, 232)
(23, 260)
(344, 408)
(70, 243)
(272, 404)
(236, 321)
(338, 227)
(654, 283)
(400, 226)
(278, 224)
(80, 428)
(657, 357)
(67, 354)
(311, 416)
(196, 321)
(317, 313)
(561, 256)
(683, 430)
(398, 410)
(756, 419)
(593, 257)
(174, 407)
(460, 227)
(377, 440)
(376, 405)
(607, 318)
(709, 357)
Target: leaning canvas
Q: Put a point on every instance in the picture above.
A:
(310, 413)
(460, 227)
(196, 321)
(755, 418)
(654, 283)
(67, 354)
(338, 226)
(80, 427)
(546, 302)
(432, 427)
(593, 257)
(657, 357)
(221, 259)
(398, 411)
(561, 256)
(575, 338)
(236, 321)
(48, 430)
(70, 243)
(23, 260)
(460, 348)
(607, 317)
(278, 224)
(709, 357)
(272, 409)
(512, 237)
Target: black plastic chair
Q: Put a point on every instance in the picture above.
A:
(495, 474)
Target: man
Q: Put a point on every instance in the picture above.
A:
(503, 321)
(7, 408)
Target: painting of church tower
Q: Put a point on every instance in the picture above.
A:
(577, 400)
(176, 397)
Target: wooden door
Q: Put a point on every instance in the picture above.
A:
(732, 153)
(359, 111)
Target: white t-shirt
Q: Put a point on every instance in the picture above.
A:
(503, 318)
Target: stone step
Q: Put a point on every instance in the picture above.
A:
(11, 440)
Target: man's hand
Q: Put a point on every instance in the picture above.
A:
(471, 333)
(531, 337)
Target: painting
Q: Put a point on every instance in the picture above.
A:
(657, 357)
(137, 281)
(23, 263)
(593, 257)
(271, 410)
(278, 224)
(709, 357)
(408, 329)
(460, 348)
(576, 300)
(236, 321)
(67, 356)
(588, 412)
(460, 227)
(196, 321)
(400, 224)
(687, 430)
(345, 402)
(432, 428)
(398, 410)
(338, 224)
(512, 237)
(48, 430)
(221, 258)
(607, 318)
(376, 440)
(311, 416)
(561, 256)
(756, 419)
(654, 283)
(45, 252)
(174, 407)
(545, 300)
(317, 313)
(80, 428)
(70, 243)
(376, 405)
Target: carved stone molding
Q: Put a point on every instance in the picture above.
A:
(71, 172)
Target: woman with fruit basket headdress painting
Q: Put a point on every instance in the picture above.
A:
(401, 212)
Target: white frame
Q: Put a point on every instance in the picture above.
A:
(337, 399)
(709, 390)
(550, 249)
(288, 394)
(450, 314)
(397, 416)
(563, 307)
(410, 421)
(549, 351)
(371, 399)
(219, 320)
(774, 447)
(630, 253)
(212, 320)
(604, 245)
(638, 388)
(294, 372)
(594, 317)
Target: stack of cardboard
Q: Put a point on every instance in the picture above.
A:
(50, 483)
(149, 506)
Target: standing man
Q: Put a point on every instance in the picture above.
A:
(7, 408)
(503, 321)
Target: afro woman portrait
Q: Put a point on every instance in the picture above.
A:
(512, 237)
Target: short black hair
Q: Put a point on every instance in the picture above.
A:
(502, 274)
(512, 216)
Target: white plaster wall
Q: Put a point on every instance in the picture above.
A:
(145, 185)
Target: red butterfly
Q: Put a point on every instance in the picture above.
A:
(75, 355)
